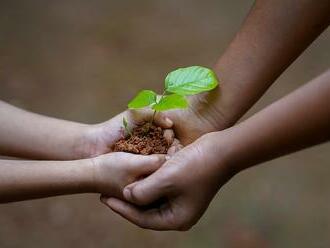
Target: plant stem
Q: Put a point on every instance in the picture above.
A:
(155, 112)
(153, 117)
(129, 132)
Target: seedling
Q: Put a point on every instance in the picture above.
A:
(148, 138)
(178, 84)
(125, 124)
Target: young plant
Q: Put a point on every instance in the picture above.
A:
(178, 84)
(125, 124)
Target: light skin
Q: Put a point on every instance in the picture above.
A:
(106, 174)
(297, 121)
(29, 135)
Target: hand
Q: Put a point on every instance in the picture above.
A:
(187, 182)
(189, 124)
(201, 117)
(99, 138)
(113, 171)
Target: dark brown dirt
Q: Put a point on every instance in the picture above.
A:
(146, 139)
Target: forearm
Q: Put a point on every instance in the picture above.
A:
(300, 120)
(23, 180)
(273, 35)
(29, 135)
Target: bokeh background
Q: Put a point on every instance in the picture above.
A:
(83, 60)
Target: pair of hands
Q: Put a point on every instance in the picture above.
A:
(187, 181)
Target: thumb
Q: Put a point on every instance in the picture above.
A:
(145, 191)
(147, 164)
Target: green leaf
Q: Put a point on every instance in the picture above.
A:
(172, 101)
(143, 99)
(190, 80)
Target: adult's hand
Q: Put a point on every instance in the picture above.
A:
(189, 180)
(254, 59)
(187, 183)
(201, 117)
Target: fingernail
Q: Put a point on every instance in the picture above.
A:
(127, 194)
(169, 121)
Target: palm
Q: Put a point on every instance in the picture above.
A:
(188, 181)
(190, 124)
(100, 138)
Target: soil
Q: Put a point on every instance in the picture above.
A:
(145, 139)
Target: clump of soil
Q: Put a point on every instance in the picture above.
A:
(145, 139)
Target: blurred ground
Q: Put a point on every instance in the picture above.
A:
(83, 60)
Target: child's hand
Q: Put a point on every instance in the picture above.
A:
(113, 171)
(98, 139)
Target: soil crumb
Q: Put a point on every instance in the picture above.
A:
(145, 139)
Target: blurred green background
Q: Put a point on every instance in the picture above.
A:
(83, 61)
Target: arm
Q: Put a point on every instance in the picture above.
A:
(26, 134)
(297, 121)
(23, 180)
(106, 174)
(29, 135)
(300, 120)
(273, 35)
(269, 40)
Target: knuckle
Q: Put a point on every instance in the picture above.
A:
(158, 159)
(155, 159)
(138, 195)
(184, 226)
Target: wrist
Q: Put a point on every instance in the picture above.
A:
(221, 152)
(84, 169)
(102, 171)
(85, 143)
(216, 108)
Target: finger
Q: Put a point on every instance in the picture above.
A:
(145, 165)
(137, 117)
(163, 121)
(146, 191)
(169, 136)
(175, 147)
(149, 219)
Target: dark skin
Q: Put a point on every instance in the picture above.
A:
(297, 121)
(271, 38)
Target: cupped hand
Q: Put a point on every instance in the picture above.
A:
(99, 138)
(113, 171)
(201, 117)
(185, 184)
